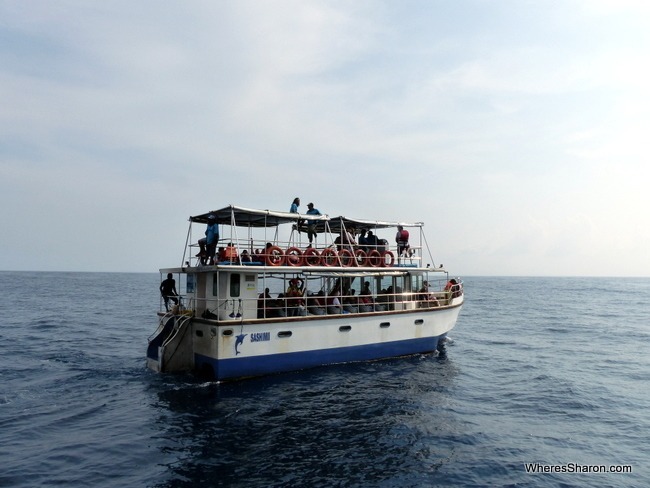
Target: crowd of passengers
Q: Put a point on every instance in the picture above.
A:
(298, 302)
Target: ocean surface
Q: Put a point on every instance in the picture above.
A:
(549, 371)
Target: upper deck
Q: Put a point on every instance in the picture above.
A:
(272, 239)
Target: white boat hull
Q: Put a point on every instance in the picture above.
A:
(240, 350)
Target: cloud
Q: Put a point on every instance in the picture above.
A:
(505, 124)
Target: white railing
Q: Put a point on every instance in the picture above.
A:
(280, 305)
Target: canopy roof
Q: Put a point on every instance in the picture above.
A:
(247, 217)
(336, 224)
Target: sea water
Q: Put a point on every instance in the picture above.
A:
(549, 374)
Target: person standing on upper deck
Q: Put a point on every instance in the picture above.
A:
(294, 209)
(212, 237)
(206, 252)
(295, 205)
(311, 226)
(402, 239)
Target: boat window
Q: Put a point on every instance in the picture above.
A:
(189, 283)
(383, 283)
(419, 322)
(411, 282)
(227, 332)
(199, 333)
(235, 285)
(384, 325)
(345, 328)
(284, 333)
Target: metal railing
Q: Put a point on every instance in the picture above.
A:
(280, 253)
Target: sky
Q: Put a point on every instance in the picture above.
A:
(517, 130)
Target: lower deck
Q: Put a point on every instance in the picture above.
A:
(242, 348)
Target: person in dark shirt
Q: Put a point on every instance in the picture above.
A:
(168, 291)
(311, 226)
(371, 241)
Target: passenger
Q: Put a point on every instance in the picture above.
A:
(402, 239)
(261, 254)
(366, 289)
(453, 288)
(230, 253)
(381, 303)
(203, 252)
(337, 243)
(295, 302)
(363, 241)
(295, 205)
(425, 298)
(168, 290)
(423, 293)
(372, 241)
(316, 303)
(347, 240)
(311, 226)
(204, 248)
(212, 238)
(390, 293)
(365, 303)
(334, 305)
(264, 304)
(245, 257)
(351, 302)
(279, 306)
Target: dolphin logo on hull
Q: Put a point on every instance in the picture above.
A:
(240, 340)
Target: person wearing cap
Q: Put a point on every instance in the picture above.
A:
(212, 238)
(311, 226)
(209, 240)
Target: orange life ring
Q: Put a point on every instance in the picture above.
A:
(274, 256)
(329, 257)
(311, 256)
(374, 258)
(383, 262)
(361, 257)
(347, 258)
(293, 257)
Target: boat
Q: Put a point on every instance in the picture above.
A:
(270, 302)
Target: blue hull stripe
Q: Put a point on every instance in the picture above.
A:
(275, 363)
